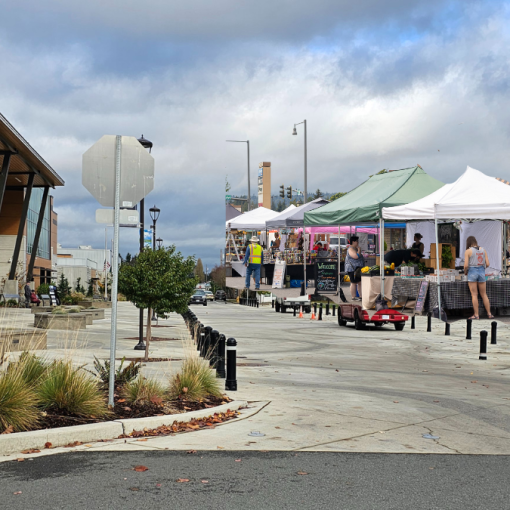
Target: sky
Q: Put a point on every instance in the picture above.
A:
(381, 84)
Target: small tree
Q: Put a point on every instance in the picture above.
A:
(335, 196)
(318, 194)
(79, 287)
(90, 289)
(63, 287)
(158, 280)
(218, 280)
(199, 271)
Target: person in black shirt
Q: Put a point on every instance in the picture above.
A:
(398, 256)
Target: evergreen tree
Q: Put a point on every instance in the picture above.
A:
(199, 271)
(318, 194)
(63, 287)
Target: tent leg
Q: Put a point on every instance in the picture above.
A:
(339, 259)
(381, 254)
(439, 272)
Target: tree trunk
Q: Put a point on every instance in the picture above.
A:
(149, 334)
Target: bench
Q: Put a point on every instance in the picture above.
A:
(45, 297)
(6, 297)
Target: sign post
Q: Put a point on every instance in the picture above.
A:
(118, 172)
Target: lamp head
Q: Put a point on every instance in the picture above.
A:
(154, 212)
(294, 131)
(145, 143)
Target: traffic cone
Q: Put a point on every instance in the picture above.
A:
(300, 312)
(312, 318)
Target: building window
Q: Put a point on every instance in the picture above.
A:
(43, 249)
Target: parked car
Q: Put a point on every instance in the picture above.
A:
(209, 295)
(220, 295)
(198, 298)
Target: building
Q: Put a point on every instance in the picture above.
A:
(28, 223)
(84, 262)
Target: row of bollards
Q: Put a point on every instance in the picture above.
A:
(250, 302)
(213, 346)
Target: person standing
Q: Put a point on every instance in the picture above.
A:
(253, 261)
(354, 260)
(475, 262)
(276, 242)
(418, 245)
(28, 293)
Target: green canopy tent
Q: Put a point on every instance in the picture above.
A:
(363, 204)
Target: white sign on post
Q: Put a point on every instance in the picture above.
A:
(117, 171)
(279, 275)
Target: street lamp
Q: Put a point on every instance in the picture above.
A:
(140, 346)
(247, 142)
(160, 242)
(154, 212)
(294, 132)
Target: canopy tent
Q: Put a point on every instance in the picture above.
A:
(231, 212)
(364, 203)
(294, 217)
(473, 195)
(252, 220)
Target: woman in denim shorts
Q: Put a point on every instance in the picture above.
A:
(475, 262)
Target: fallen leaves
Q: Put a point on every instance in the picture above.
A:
(73, 444)
(204, 481)
(302, 473)
(21, 459)
(195, 424)
(8, 430)
(191, 451)
(48, 445)
(140, 469)
(17, 492)
(31, 450)
(182, 480)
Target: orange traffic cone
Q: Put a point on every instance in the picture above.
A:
(300, 312)
(312, 318)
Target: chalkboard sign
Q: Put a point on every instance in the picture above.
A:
(326, 276)
(422, 295)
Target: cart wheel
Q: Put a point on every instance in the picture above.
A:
(308, 309)
(358, 324)
(341, 320)
(399, 326)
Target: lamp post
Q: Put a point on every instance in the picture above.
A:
(160, 242)
(247, 142)
(294, 132)
(140, 346)
(154, 212)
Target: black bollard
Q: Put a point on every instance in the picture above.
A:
(429, 323)
(207, 342)
(320, 312)
(327, 308)
(494, 328)
(220, 358)
(294, 310)
(258, 304)
(483, 345)
(277, 307)
(214, 348)
(413, 322)
(469, 323)
(446, 329)
(272, 303)
(315, 308)
(334, 308)
(231, 382)
(201, 337)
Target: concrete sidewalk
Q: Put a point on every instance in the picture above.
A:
(316, 386)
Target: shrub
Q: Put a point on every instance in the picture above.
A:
(30, 367)
(143, 391)
(78, 296)
(66, 300)
(44, 288)
(18, 411)
(12, 303)
(195, 381)
(70, 390)
(2, 304)
(123, 375)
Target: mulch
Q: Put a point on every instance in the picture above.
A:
(153, 339)
(150, 360)
(122, 410)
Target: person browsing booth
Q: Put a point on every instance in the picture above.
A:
(253, 261)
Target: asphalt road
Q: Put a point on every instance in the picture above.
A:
(256, 480)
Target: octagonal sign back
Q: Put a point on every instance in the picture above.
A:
(136, 171)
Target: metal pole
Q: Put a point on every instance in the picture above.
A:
(381, 254)
(306, 157)
(249, 192)
(140, 346)
(113, 338)
(35, 245)
(105, 268)
(440, 315)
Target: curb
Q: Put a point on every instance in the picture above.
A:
(36, 439)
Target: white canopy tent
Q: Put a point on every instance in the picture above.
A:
(474, 196)
(253, 220)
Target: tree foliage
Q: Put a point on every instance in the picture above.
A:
(63, 287)
(158, 280)
(335, 196)
(318, 194)
(198, 271)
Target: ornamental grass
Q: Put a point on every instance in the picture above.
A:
(144, 391)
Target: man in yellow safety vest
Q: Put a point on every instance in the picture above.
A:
(253, 261)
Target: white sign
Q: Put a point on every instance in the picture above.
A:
(136, 171)
(279, 275)
(127, 217)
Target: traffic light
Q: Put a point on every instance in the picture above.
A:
(289, 192)
(282, 191)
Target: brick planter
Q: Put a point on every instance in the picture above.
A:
(102, 304)
(22, 340)
(85, 303)
(61, 321)
(97, 313)
(41, 309)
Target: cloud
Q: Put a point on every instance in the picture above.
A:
(434, 94)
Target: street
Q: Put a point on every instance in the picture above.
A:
(249, 480)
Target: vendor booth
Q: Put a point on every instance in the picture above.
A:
(363, 206)
(474, 204)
